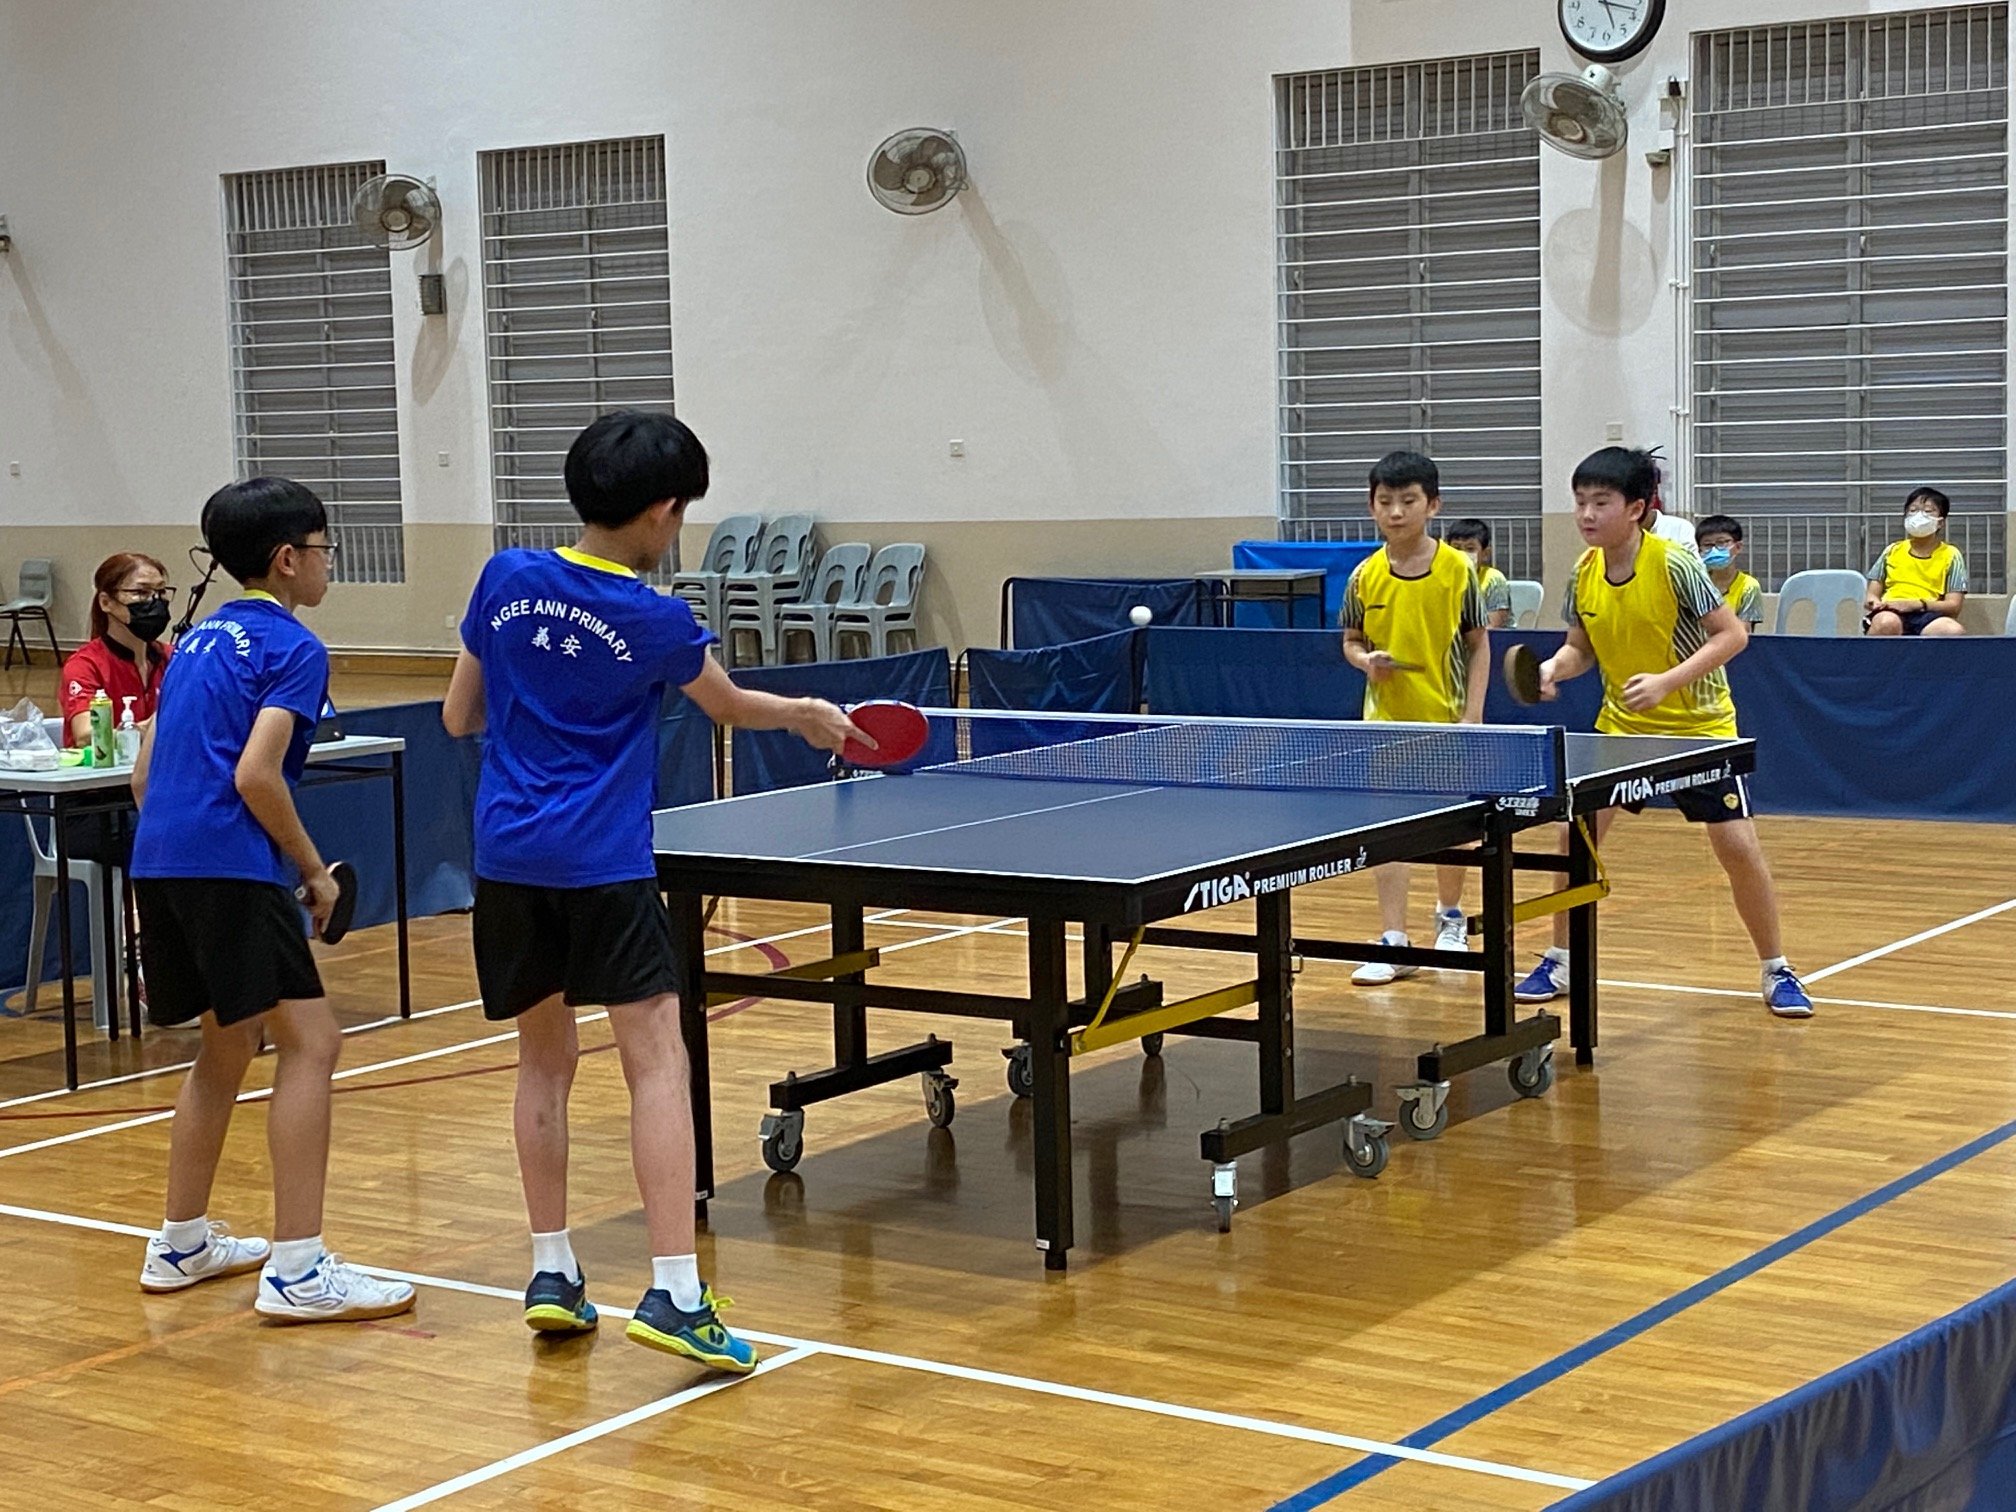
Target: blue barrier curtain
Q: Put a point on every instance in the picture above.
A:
(1053, 611)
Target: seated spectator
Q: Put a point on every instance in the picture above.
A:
(1720, 540)
(1473, 539)
(124, 657)
(1916, 587)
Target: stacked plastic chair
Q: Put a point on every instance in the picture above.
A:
(889, 604)
(731, 549)
(839, 584)
(777, 575)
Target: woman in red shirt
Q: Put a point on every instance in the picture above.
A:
(128, 617)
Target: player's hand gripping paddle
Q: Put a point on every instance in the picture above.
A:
(899, 731)
(344, 875)
(1522, 674)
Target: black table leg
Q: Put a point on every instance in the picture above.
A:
(1050, 1068)
(850, 1023)
(1500, 937)
(399, 881)
(689, 935)
(1583, 964)
(1275, 952)
(58, 810)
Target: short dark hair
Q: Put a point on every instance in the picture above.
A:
(628, 460)
(1402, 469)
(1468, 530)
(1718, 525)
(244, 523)
(1633, 473)
(1931, 496)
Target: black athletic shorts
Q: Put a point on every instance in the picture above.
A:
(1716, 803)
(224, 946)
(592, 945)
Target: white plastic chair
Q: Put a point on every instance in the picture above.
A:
(890, 603)
(730, 549)
(1527, 597)
(777, 575)
(2009, 624)
(1826, 589)
(38, 592)
(843, 572)
(94, 876)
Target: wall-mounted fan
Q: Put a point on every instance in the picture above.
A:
(917, 171)
(1580, 114)
(396, 212)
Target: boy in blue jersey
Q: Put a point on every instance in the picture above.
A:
(566, 656)
(218, 845)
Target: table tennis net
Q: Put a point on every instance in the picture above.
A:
(1465, 761)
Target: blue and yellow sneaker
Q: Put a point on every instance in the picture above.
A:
(657, 1324)
(1785, 994)
(553, 1304)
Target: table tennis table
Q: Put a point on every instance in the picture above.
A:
(1114, 824)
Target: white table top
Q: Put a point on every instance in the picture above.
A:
(91, 779)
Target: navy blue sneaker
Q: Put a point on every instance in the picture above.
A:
(1544, 983)
(695, 1335)
(1785, 994)
(553, 1304)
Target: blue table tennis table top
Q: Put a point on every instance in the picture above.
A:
(947, 822)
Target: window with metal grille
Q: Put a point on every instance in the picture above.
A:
(1408, 237)
(577, 285)
(312, 378)
(1850, 185)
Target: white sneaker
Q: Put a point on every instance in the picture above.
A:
(330, 1292)
(1379, 973)
(221, 1253)
(1452, 929)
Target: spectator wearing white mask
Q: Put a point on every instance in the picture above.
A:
(1916, 587)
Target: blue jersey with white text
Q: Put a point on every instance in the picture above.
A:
(577, 654)
(250, 654)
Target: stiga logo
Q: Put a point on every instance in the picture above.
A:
(1644, 789)
(1216, 892)
(1235, 887)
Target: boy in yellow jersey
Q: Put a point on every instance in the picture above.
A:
(1473, 539)
(1414, 625)
(1719, 539)
(1645, 609)
(1918, 585)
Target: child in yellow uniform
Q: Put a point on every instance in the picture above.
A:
(1473, 539)
(1918, 585)
(1720, 541)
(1414, 625)
(1645, 609)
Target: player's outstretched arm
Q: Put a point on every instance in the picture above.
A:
(462, 711)
(814, 720)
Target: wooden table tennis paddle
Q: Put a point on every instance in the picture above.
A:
(1522, 674)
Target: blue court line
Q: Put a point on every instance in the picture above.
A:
(1352, 1476)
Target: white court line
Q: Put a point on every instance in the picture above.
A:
(1737, 992)
(1909, 940)
(1032, 1384)
(260, 1094)
(888, 917)
(498, 1468)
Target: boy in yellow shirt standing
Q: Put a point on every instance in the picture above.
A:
(1414, 625)
(1645, 609)
(1918, 585)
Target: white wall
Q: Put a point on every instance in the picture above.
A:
(1093, 319)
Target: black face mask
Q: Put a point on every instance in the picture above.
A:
(148, 620)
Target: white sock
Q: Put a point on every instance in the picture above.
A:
(294, 1257)
(678, 1276)
(555, 1252)
(1449, 908)
(1776, 963)
(189, 1234)
(1394, 937)
(1558, 953)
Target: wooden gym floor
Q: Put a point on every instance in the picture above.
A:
(921, 1357)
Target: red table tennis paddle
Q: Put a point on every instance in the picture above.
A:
(899, 731)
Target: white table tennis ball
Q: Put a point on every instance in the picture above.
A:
(1140, 614)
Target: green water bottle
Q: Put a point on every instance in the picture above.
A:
(101, 729)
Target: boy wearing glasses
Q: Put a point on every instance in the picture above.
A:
(217, 852)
